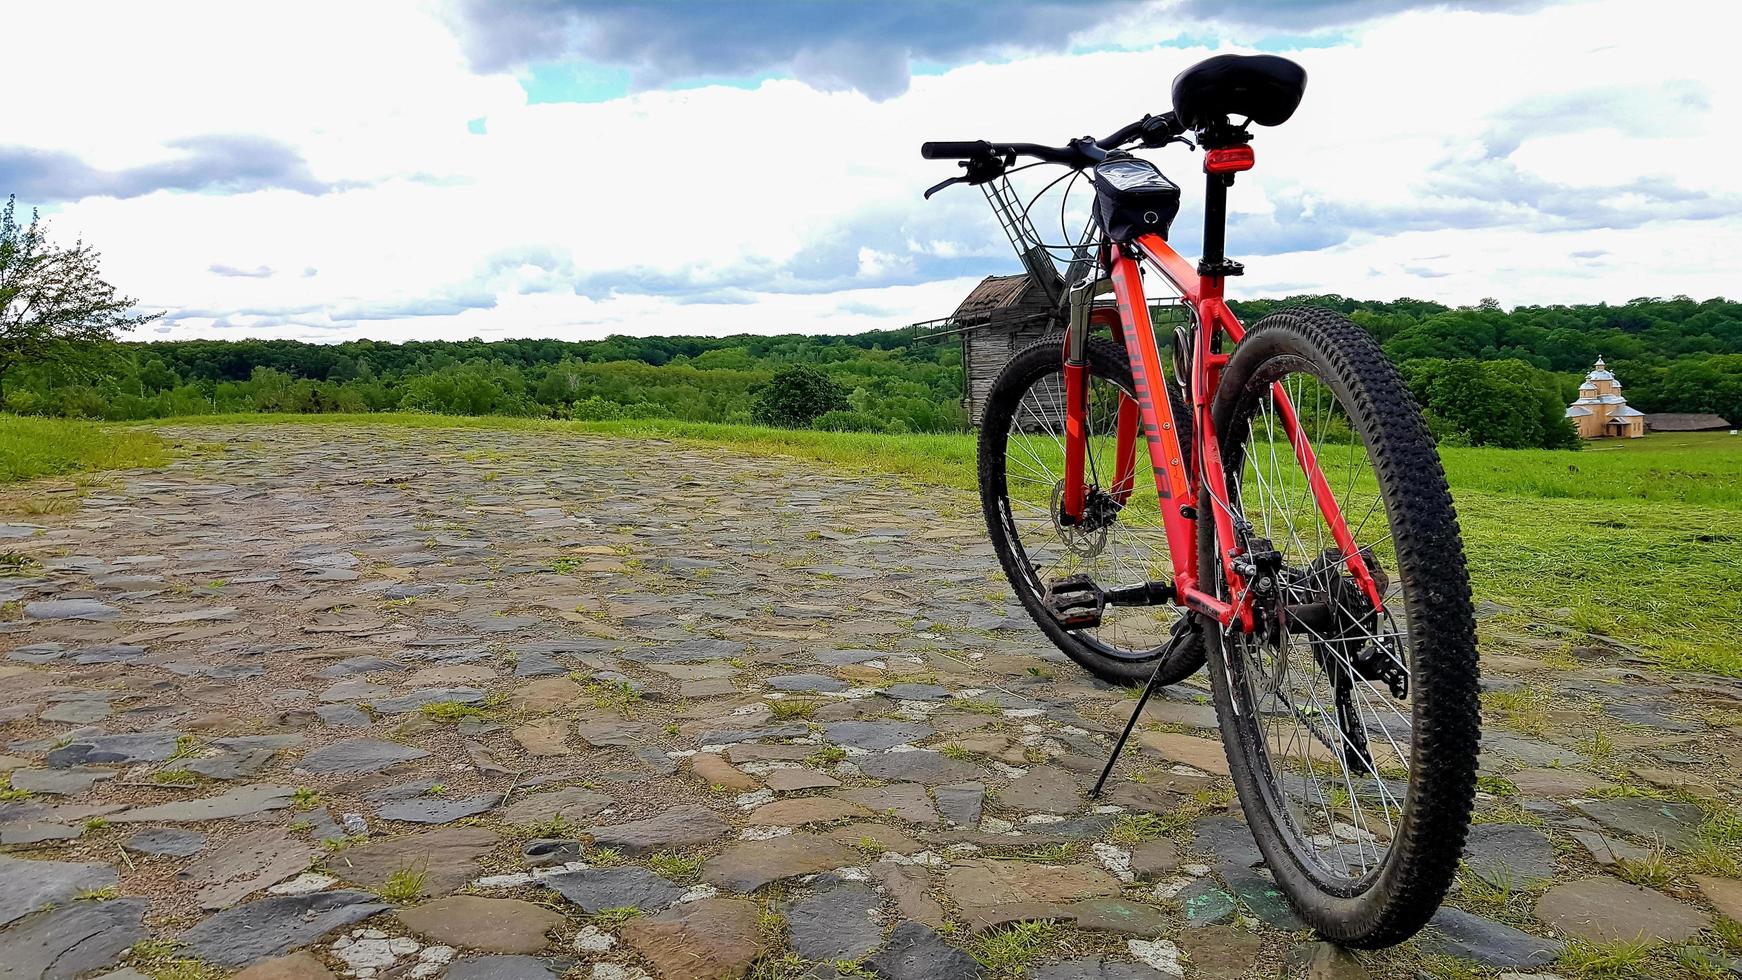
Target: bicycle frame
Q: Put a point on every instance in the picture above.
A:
(1151, 412)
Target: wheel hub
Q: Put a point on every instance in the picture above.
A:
(1086, 538)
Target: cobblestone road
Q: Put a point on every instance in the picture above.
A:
(321, 701)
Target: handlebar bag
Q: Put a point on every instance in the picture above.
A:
(1134, 198)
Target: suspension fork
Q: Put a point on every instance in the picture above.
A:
(1129, 425)
(1076, 369)
(1125, 471)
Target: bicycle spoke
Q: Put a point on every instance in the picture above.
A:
(1130, 549)
(1344, 815)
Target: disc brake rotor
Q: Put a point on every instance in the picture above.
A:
(1088, 538)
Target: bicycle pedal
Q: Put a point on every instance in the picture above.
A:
(1075, 601)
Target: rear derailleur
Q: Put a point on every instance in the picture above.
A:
(1341, 625)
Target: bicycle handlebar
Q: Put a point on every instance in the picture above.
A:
(955, 149)
(1082, 152)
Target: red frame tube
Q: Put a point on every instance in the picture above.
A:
(1326, 498)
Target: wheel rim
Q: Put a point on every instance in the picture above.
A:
(1131, 548)
(1338, 812)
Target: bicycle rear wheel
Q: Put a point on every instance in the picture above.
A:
(1351, 731)
(1021, 456)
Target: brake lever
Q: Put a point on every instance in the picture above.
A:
(980, 170)
(1171, 139)
(943, 184)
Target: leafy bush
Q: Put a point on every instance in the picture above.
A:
(474, 388)
(590, 409)
(796, 396)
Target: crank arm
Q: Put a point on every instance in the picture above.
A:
(1141, 594)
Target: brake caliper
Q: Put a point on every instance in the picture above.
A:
(1086, 537)
(1260, 565)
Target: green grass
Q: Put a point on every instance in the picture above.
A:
(1524, 710)
(621, 697)
(449, 711)
(1496, 785)
(1603, 960)
(1655, 870)
(35, 447)
(161, 959)
(1640, 540)
(10, 795)
(605, 857)
(1729, 933)
(1132, 829)
(175, 777)
(787, 709)
(186, 747)
(1722, 828)
(826, 756)
(611, 918)
(683, 868)
(404, 885)
(1007, 952)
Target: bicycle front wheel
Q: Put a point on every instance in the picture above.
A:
(1351, 730)
(1021, 457)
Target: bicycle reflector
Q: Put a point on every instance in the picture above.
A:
(1228, 159)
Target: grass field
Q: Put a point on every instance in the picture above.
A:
(37, 447)
(1640, 540)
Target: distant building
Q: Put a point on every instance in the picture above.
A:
(1001, 316)
(1685, 422)
(1004, 314)
(1601, 412)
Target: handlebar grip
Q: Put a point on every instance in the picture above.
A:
(954, 149)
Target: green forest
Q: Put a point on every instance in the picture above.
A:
(1487, 376)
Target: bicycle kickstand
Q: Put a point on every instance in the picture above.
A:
(1125, 736)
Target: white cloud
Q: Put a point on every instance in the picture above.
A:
(781, 208)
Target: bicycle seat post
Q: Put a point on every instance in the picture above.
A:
(1227, 151)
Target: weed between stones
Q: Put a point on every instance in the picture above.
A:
(678, 867)
(1008, 951)
(404, 885)
(613, 917)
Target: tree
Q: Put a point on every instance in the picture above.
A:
(1507, 403)
(53, 301)
(795, 396)
(156, 376)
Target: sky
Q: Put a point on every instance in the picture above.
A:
(448, 169)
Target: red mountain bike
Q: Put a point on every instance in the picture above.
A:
(1302, 537)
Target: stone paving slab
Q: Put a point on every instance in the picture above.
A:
(410, 703)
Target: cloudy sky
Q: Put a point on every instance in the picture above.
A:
(451, 169)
